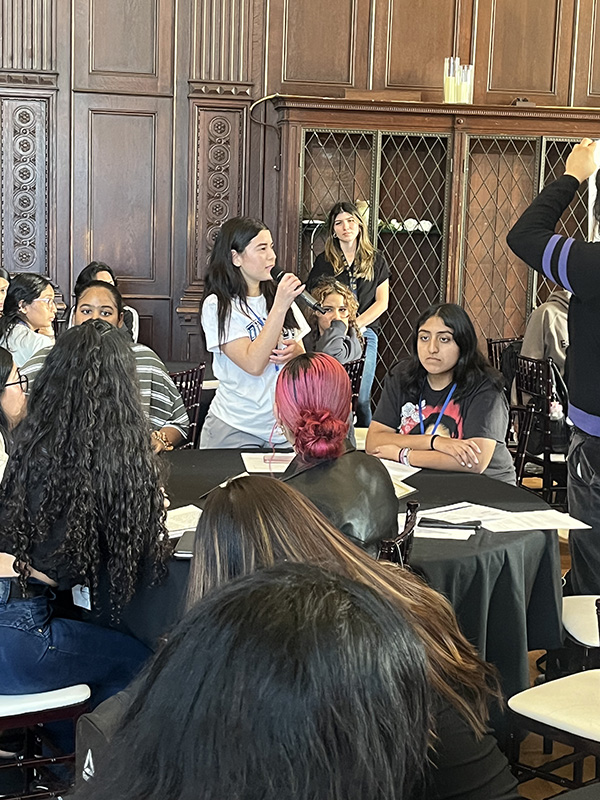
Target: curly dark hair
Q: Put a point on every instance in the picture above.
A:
(82, 465)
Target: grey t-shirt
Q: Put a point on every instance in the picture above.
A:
(482, 413)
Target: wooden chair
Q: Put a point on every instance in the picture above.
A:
(29, 711)
(535, 389)
(398, 550)
(355, 371)
(189, 384)
(496, 348)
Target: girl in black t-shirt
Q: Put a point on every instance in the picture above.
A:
(444, 407)
(351, 258)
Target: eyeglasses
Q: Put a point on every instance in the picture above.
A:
(23, 382)
(50, 301)
(342, 310)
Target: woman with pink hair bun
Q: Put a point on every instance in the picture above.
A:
(352, 489)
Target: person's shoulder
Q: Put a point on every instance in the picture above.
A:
(485, 385)
(145, 355)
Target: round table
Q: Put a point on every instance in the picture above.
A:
(505, 587)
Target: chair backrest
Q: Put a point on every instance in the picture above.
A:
(398, 550)
(355, 371)
(496, 348)
(189, 384)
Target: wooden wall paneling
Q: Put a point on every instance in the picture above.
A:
(217, 157)
(123, 47)
(27, 36)
(586, 78)
(221, 40)
(524, 49)
(318, 48)
(24, 199)
(406, 35)
(122, 170)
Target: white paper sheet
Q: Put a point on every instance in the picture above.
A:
(267, 462)
(182, 519)
(462, 512)
(535, 520)
(399, 471)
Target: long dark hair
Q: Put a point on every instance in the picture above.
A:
(472, 366)
(225, 280)
(6, 365)
(365, 252)
(82, 459)
(291, 683)
(256, 522)
(24, 287)
(89, 273)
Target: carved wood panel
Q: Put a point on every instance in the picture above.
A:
(524, 49)
(122, 170)
(218, 151)
(313, 45)
(586, 82)
(24, 190)
(221, 40)
(123, 47)
(412, 38)
(27, 35)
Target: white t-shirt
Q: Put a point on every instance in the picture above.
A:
(242, 400)
(23, 343)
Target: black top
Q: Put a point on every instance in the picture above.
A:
(365, 290)
(483, 413)
(574, 265)
(464, 767)
(354, 492)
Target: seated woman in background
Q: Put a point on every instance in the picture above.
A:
(13, 403)
(27, 316)
(335, 332)
(255, 522)
(351, 258)
(99, 271)
(82, 511)
(290, 684)
(353, 490)
(4, 284)
(253, 328)
(160, 398)
(444, 407)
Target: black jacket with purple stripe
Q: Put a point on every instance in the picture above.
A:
(574, 265)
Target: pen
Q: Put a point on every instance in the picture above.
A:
(429, 522)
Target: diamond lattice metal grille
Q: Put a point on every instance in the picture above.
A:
(411, 235)
(501, 184)
(338, 165)
(574, 222)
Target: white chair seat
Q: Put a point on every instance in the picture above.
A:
(571, 704)
(581, 620)
(12, 705)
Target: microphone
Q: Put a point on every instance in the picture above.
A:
(305, 296)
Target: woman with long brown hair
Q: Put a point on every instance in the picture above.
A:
(255, 522)
(350, 258)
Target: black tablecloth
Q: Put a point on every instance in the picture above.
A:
(505, 587)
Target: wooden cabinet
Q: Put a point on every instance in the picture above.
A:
(443, 186)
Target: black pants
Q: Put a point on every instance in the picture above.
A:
(583, 489)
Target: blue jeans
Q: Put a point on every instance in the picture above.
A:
(363, 408)
(39, 652)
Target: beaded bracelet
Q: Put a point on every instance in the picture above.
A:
(403, 456)
(162, 438)
(433, 438)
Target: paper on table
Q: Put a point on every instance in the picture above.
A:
(461, 512)
(360, 434)
(399, 471)
(182, 519)
(267, 462)
(534, 520)
(402, 489)
(234, 478)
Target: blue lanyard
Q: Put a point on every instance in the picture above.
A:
(440, 415)
(260, 320)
